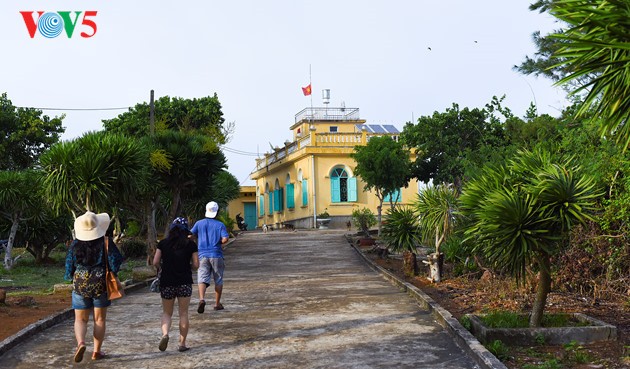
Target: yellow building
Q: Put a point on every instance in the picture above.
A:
(315, 173)
(245, 205)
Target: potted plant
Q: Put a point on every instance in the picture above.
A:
(323, 219)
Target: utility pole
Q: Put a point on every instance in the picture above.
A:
(151, 115)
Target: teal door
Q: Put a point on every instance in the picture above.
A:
(250, 215)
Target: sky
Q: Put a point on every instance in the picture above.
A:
(394, 60)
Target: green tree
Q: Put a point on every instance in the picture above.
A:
(437, 208)
(25, 134)
(200, 115)
(384, 165)
(520, 214)
(18, 199)
(447, 142)
(597, 43)
(97, 171)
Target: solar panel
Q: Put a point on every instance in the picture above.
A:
(390, 128)
(377, 128)
(360, 127)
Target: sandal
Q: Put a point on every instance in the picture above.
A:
(218, 307)
(98, 355)
(201, 307)
(78, 356)
(182, 348)
(163, 342)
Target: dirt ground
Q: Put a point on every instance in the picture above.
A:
(20, 311)
(457, 295)
(468, 294)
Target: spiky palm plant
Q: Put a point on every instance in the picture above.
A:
(520, 215)
(402, 234)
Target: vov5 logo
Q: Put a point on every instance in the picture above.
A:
(51, 24)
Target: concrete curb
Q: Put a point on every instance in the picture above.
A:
(462, 336)
(52, 320)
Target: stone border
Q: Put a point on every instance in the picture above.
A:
(52, 320)
(462, 336)
(597, 330)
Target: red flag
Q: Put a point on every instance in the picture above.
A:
(307, 90)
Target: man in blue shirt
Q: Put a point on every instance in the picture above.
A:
(211, 234)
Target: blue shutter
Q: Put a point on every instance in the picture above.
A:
(393, 196)
(352, 189)
(280, 199)
(270, 203)
(261, 207)
(335, 189)
(290, 196)
(304, 192)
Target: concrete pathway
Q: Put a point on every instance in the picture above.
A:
(300, 299)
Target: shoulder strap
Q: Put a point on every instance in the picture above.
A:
(106, 255)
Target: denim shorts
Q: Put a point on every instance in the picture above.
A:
(80, 303)
(211, 269)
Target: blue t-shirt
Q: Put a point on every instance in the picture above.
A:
(209, 233)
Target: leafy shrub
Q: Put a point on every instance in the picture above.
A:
(224, 217)
(363, 219)
(133, 248)
(132, 229)
(400, 229)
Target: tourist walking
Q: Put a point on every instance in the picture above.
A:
(175, 257)
(211, 234)
(85, 266)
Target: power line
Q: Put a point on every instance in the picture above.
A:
(239, 152)
(74, 109)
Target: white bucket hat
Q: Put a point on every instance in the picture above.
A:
(211, 209)
(90, 226)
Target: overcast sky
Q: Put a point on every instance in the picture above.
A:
(372, 55)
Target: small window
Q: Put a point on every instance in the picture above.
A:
(333, 129)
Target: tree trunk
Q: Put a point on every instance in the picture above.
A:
(174, 210)
(151, 231)
(436, 264)
(410, 264)
(8, 255)
(544, 286)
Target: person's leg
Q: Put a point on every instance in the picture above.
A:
(167, 315)
(204, 274)
(81, 318)
(100, 319)
(183, 303)
(82, 307)
(218, 267)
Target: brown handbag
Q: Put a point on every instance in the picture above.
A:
(114, 289)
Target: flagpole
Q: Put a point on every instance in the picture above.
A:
(310, 83)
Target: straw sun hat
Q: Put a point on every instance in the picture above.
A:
(90, 226)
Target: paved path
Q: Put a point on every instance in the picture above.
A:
(292, 300)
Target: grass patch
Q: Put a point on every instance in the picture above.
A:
(27, 278)
(507, 319)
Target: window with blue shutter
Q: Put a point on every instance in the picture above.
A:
(304, 192)
(290, 196)
(342, 188)
(393, 197)
(352, 189)
(270, 203)
(335, 191)
(261, 206)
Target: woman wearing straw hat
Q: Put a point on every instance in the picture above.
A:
(85, 266)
